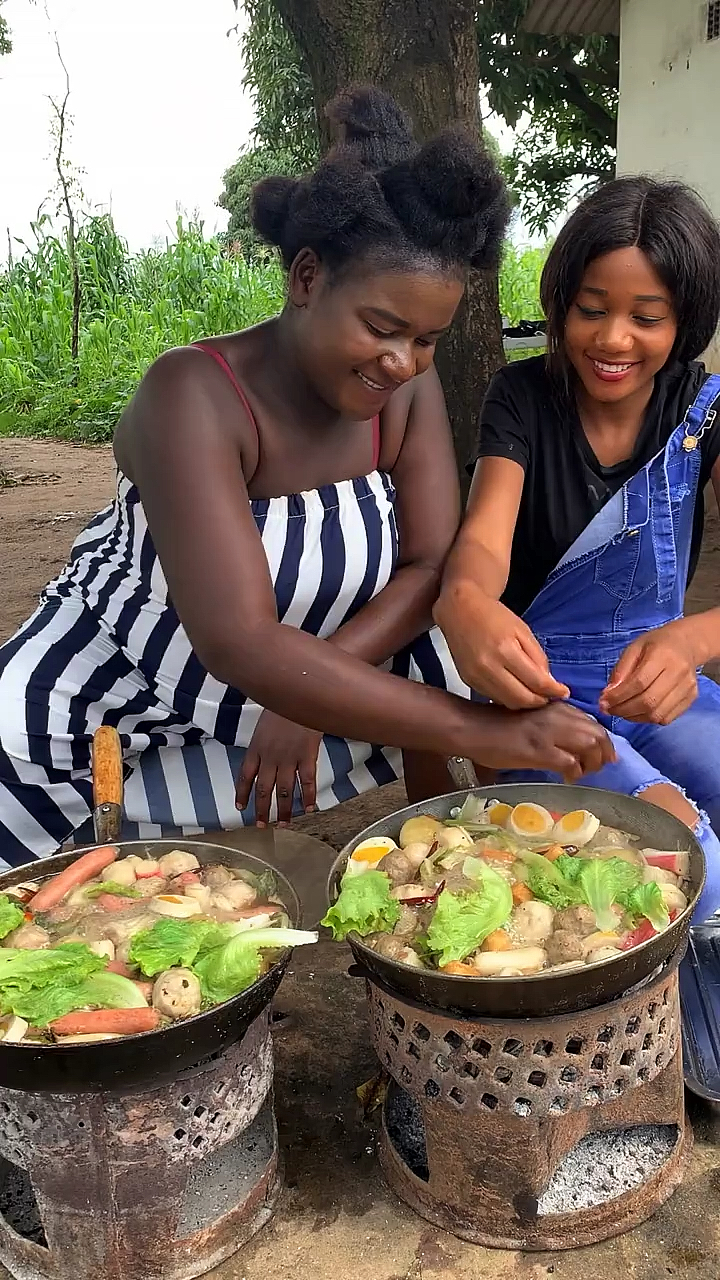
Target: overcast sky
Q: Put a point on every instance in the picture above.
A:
(157, 104)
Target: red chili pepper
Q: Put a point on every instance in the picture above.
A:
(643, 933)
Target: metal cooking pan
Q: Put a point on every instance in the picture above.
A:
(152, 1057)
(544, 993)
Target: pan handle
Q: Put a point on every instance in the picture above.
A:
(107, 778)
(462, 772)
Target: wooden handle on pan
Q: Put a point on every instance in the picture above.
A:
(107, 777)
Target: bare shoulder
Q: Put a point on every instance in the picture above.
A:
(417, 406)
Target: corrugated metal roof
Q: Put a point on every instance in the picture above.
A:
(569, 17)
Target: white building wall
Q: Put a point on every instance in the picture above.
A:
(669, 117)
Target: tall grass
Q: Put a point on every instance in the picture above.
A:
(134, 306)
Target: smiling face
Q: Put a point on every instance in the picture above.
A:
(361, 337)
(620, 329)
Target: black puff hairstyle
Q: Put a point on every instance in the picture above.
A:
(378, 194)
(674, 229)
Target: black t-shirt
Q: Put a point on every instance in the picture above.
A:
(523, 419)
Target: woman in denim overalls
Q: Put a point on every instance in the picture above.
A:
(600, 452)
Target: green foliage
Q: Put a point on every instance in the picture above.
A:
(5, 45)
(238, 182)
(280, 85)
(568, 87)
(133, 308)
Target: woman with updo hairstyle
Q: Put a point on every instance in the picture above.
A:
(254, 610)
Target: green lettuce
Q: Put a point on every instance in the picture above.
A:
(42, 985)
(604, 882)
(546, 881)
(647, 900)
(111, 991)
(111, 886)
(364, 906)
(462, 921)
(171, 942)
(11, 915)
(224, 971)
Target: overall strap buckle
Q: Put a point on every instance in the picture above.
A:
(701, 415)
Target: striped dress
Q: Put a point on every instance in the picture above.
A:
(106, 646)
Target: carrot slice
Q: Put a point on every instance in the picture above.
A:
(521, 893)
(498, 940)
(460, 970)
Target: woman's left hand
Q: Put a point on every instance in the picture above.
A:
(655, 679)
(279, 753)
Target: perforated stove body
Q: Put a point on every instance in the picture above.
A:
(158, 1184)
(535, 1133)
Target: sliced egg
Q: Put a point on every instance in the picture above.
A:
(576, 828)
(498, 814)
(368, 853)
(530, 821)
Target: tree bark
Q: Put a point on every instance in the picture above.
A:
(424, 52)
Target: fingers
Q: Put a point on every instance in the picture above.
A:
(246, 778)
(285, 791)
(307, 772)
(626, 664)
(535, 678)
(264, 787)
(545, 684)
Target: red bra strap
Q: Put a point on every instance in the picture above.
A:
(222, 362)
(376, 442)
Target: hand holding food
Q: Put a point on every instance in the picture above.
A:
(507, 891)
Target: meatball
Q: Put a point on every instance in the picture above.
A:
(239, 894)
(176, 993)
(532, 921)
(150, 886)
(580, 920)
(30, 937)
(563, 946)
(216, 876)
(174, 863)
(407, 925)
(386, 944)
(397, 867)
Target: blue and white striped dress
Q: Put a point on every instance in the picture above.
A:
(106, 646)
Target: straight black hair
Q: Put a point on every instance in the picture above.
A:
(674, 229)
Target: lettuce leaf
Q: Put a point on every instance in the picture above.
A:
(545, 879)
(647, 900)
(170, 942)
(605, 882)
(111, 991)
(224, 971)
(42, 985)
(111, 886)
(11, 915)
(461, 922)
(363, 906)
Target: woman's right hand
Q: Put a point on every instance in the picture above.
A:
(557, 738)
(495, 652)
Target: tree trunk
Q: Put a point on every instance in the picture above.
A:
(424, 52)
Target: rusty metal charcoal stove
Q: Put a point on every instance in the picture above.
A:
(543, 1120)
(154, 1157)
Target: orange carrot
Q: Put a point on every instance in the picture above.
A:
(79, 872)
(555, 851)
(123, 1022)
(498, 855)
(460, 970)
(497, 941)
(521, 893)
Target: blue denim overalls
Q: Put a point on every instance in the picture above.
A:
(624, 575)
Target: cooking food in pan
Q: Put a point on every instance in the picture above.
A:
(501, 891)
(114, 946)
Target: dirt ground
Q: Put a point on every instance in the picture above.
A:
(337, 1220)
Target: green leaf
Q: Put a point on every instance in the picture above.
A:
(225, 971)
(42, 985)
(170, 942)
(11, 915)
(111, 886)
(111, 991)
(546, 881)
(647, 900)
(461, 922)
(605, 882)
(364, 906)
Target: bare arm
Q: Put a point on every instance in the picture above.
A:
(495, 652)
(428, 513)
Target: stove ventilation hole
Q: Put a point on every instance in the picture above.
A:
(522, 1107)
(405, 1129)
(543, 1049)
(574, 1045)
(472, 1070)
(489, 1100)
(648, 1041)
(432, 1089)
(662, 1026)
(538, 1079)
(420, 1032)
(413, 1051)
(18, 1204)
(606, 1035)
(599, 1062)
(180, 1135)
(666, 996)
(644, 1074)
(627, 1058)
(454, 1041)
(185, 1102)
(503, 1074)
(632, 1027)
(393, 1039)
(513, 1048)
(442, 1063)
(605, 1165)
(558, 1106)
(568, 1075)
(457, 1096)
(618, 1088)
(593, 1095)
(659, 1059)
(482, 1048)
(398, 1021)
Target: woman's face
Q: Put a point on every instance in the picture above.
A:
(362, 337)
(620, 329)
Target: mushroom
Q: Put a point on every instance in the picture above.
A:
(176, 993)
(564, 946)
(532, 921)
(150, 886)
(200, 893)
(416, 853)
(490, 964)
(406, 926)
(174, 863)
(104, 948)
(397, 867)
(580, 920)
(453, 838)
(28, 937)
(386, 944)
(238, 894)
